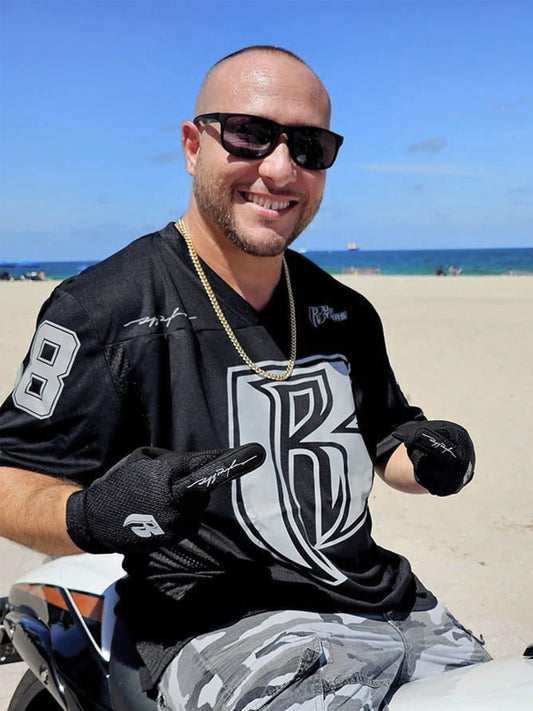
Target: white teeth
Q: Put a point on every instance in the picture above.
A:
(267, 203)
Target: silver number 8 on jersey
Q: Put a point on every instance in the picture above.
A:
(52, 356)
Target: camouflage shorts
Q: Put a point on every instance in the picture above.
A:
(306, 661)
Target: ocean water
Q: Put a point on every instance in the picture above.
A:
(480, 262)
(426, 261)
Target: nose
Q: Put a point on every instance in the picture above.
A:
(278, 166)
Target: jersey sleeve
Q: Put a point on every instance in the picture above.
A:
(396, 408)
(382, 404)
(399, 411)
(64, 416)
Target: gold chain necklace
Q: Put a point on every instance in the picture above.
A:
(227, 328)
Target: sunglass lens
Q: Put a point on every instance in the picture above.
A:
(314, 148)
(247, 137)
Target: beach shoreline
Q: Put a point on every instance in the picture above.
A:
(462, 349)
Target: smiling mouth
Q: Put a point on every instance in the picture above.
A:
(266, 202)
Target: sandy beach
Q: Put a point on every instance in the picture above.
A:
(462, 349)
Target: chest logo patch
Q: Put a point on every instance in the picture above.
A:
(320, 314)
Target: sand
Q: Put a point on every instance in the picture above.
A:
(462, 349)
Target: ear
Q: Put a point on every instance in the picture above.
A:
(190, 140)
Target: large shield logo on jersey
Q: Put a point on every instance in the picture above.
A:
(311, 493)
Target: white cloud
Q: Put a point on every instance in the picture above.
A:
(168, 157)
(516, 104)
(429, 145)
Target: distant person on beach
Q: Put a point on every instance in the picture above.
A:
(218, 419)
(453, 270)
(440, 271)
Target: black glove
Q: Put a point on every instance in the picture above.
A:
(442, 454)
(152, 497)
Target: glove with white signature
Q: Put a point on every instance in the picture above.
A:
(442, 454)
(152, 497)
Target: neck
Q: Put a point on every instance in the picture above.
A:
(254, 278)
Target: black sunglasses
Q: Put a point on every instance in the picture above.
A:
(255, 137)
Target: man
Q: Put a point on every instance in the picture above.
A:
(207, 337)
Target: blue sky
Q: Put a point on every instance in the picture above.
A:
(434, 98)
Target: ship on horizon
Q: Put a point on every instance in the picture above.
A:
(352, 246)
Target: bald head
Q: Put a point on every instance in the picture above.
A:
(241, 80)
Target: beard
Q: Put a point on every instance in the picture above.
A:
(212, 198)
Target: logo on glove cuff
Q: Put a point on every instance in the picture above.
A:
(143, 525)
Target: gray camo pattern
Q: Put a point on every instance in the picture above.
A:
(306, 661)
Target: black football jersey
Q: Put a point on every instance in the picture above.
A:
(131, 353)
